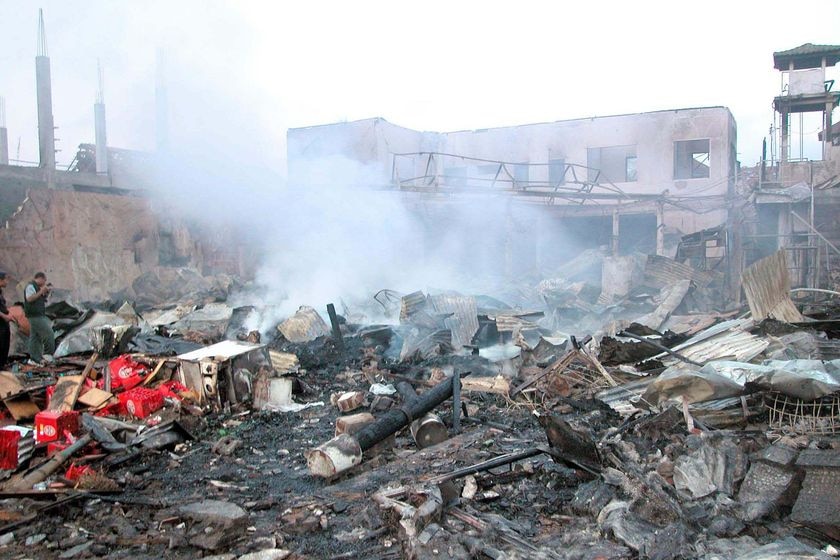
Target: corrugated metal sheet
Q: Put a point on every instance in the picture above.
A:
(411, 304)
(767, 287)
(464, 320)
(622, 398)
(303, 326)
(725, 340)
(284, 362)
(661, 271)
(511, 323)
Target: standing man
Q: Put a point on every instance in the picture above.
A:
(5, 319)
(41, 338)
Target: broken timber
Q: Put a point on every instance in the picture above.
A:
(426, 431)
(345, 451)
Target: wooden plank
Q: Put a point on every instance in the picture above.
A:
(154, 372)
(94, 397)
(66, 393)
(89, 366)
(9, 385)
(21, 408)
(498, 385)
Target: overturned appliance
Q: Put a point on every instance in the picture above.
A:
(223, 373)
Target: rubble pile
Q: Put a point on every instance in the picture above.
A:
(625, 410)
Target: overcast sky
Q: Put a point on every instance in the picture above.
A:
(240, 73)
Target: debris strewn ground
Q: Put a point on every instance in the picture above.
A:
(633, 418)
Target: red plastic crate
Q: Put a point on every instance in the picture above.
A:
(140, 402)
(50, 426)
(126, 373)
(9, 449)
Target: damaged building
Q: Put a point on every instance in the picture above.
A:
(664, 394)
(632, 182)
(93, 227)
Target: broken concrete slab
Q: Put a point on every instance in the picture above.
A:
(215, 523)
(211, 320)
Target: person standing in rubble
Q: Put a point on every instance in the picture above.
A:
(5, 319)
(41, 337)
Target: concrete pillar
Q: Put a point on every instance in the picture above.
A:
(4, 136)
(829, 107)
(660, 229)
(615, 232)
(4, 146)
(785, 139)
(101, 138)
(46, 125)
(161, 106)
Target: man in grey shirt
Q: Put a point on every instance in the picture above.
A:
(41, 337)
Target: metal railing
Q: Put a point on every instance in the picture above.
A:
(443, 172)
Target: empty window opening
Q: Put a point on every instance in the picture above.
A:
(691, 159)
(616, 164)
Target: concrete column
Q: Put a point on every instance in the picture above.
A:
(785, 139)
(660, 229)
(101, 138)
(615, 232)
(161, 105)
(46, 125)
(829, 107)
(4, 146)
(4, 136)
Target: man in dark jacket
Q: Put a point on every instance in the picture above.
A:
(41, 337)
(5, 319)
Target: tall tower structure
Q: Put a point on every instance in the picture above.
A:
(805, 89)
(161, 105)
(43, 85)
(99, 123)
(4, 136)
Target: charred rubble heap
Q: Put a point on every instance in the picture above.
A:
(637, 417)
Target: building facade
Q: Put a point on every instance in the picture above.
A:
(635, 182)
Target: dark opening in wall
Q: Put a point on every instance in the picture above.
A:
(637, 233)
(691, 159)
(616, 164)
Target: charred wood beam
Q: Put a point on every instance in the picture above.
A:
(661, 347)
(499, 461)
(336, 328)
(345, 451)
(45, 470)
(426, 431)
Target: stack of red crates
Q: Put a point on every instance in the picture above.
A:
(50, 425)
(140, 402)
(16, 446)
(9, 449)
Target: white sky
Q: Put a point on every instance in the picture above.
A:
(241, 72)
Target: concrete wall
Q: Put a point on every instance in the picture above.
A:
(373, 142)
(95, 245)
(84, 242)
(314, 152)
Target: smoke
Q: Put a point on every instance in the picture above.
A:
(334, 233)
